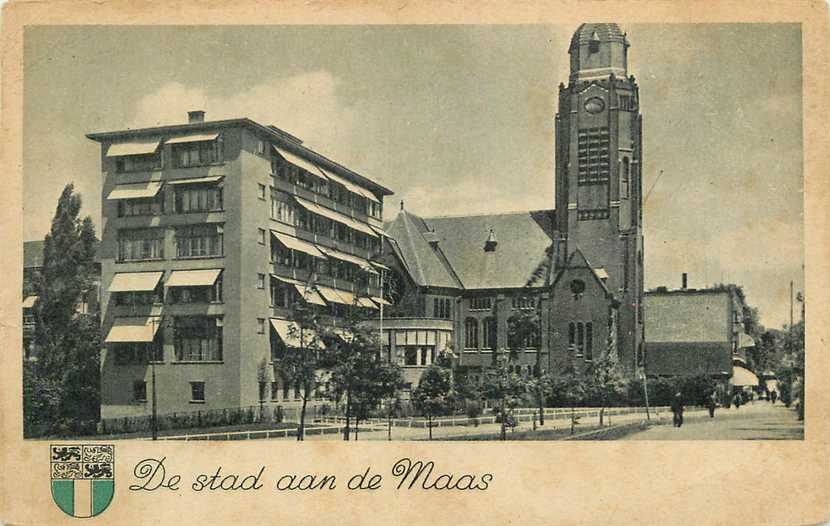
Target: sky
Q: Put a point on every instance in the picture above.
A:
(457, 120)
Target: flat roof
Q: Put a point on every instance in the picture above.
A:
(288, 141)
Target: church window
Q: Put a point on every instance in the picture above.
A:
(593, 147)
(571, 336)
(489, 333)
(580, 339)
(589, 341)
(625, 179)
(577, 288)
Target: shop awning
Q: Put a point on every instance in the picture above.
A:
(133, 330)
(741, 376)
(380, 301)
(132, 148)
(135, 191)
(198, 180)
(289, 333)
(336, 216)
(309, 295)
(299, 162)
(135, 281)
(745, 340)
(298, 244)
(193, 278)
(350, 186)
(198, 137)
(29, 302)
(348, 258)
(332, 295)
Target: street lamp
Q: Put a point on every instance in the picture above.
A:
(157, 322)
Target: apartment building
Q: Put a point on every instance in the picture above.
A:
(211, 231)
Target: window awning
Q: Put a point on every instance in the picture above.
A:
(348, 258)
(741, 376)
(193, 278)
(298, 244)
(379, 231)
(135, 191)
(367, 303)
(133, 330)
(347, 296)
(299, 162)
(289, 333)
(350, 186)
(745, 340)
(135, 281)
(336, 216)
(309, 295)
(379, 266)
(332, 295)
(198, 180)
(380, 301)
(199, 137)
(29, 302)
(132, 148)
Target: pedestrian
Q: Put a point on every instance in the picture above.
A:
(773, 396)
(710, 404)
(737, 400)
(677, 409)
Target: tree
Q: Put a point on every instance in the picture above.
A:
(568, 389)
(432, 394)
(506, 386)
(61, 391)
(605, 381)
(357, 370)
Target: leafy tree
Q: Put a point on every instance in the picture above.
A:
(790, 371)
(523, 331)
(605, 381)
(358, 371)
(506, 386)
(433, 392)
(568, 390)
(61, 391)
(302, 365)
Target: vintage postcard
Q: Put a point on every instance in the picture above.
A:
(285, 262)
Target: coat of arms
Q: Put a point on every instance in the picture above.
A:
(83, 478)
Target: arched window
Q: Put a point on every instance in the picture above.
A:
(571, 336)
(580, 339)
(471, 333)
(625, 179)
(489, 333)
(589, 341)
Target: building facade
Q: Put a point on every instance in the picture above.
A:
(697, 331)
(598, 174)
(211, 234)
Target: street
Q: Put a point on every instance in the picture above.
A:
(757, 421)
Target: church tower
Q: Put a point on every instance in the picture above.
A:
(598, 174)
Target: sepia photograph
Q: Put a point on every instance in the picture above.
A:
(411, 233)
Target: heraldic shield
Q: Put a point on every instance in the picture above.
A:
(83, 478)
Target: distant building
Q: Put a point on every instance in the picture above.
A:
(697, 331)
(211, 233)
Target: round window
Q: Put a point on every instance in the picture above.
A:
(594, 105)
(577, 286)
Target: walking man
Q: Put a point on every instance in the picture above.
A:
(710, 404)
(677, 409)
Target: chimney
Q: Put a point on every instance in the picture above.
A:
(490, 244)
(195, 116)
(685, 281)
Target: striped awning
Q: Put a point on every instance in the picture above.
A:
(348, 258)
(336, 216)
(197, 180)
(332, 295)
(308, 294)
(193, 278)
(299, 162)
(350, 186)
(366, 303)
(380, 301)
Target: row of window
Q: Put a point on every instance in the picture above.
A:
(175, 295)
(325, 187)
(203, 240)
(184, 155)
(190, 198)
(284, 210)
(331, 267)
(581, 339)
(196, 339)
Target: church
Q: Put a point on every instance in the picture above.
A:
(455, 282)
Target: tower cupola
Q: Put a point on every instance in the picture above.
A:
(597, 51)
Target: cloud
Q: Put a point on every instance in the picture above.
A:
(306, 105)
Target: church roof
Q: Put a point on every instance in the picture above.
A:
(449, 251)
(604, 33)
